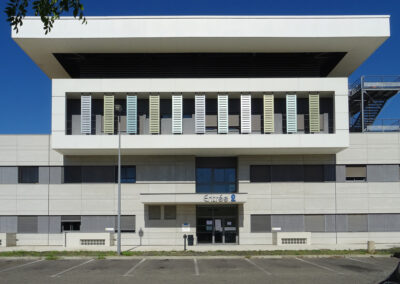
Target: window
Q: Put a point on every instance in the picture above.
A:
(28, 174)
(260, 173)
(260, 223)
(27, 224)
(292, 173)
(169, 212)
(215, 180)
(128, 223)
(314, 223)
(72, 174)
(154, 212)
(70, 223)
(128, 174)
(98, 174)
(357, 223)
(356, 173)
(286, 173)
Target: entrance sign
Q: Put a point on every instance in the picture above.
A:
(219, 198)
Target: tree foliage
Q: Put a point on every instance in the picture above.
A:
(48, 10)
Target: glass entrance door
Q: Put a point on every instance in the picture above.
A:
(217, 224)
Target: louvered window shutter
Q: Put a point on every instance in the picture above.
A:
(131, 114)
(245, 113)
(177, 114)
(313, 106)
(86, 114)
(223, 113)
(269, 114)
(291, 113)
(109, 114)
(154, 107)
(200, 114)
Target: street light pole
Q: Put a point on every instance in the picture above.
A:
(118, 108)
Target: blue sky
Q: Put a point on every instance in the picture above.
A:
(25, 92)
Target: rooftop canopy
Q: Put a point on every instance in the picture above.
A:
(344, 42)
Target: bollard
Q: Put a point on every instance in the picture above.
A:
(371, 246)
(184, 242)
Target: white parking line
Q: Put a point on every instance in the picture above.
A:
(22, 265)
(134, 267)
(357, 260)
(320, 266)
(196, 267)
(71, 268)
(259, 267)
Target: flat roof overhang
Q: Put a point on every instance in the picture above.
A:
(357, 36)
(194, 198)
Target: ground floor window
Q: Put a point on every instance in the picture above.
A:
(217, 224)
(70, 223)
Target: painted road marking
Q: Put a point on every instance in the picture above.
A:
(259, 267)
(320, 266)
(22, 265)
(71, 268)
(196, 267)
(134, 267)
(358, 260)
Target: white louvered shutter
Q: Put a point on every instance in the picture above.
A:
(177, 114)
(313, 107)
(86, 114)
(268, 113)
(108, 114)
(245, 113)
(200, 114)
(223, 114)
(131, 114)
(154, 115)
(291, 113)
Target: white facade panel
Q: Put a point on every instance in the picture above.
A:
(223, 114)
(177, 113)
(291, 113)
(200, 114)
(245, 113)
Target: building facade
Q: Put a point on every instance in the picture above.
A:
(233, 130)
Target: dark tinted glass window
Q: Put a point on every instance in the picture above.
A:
(170, 212)
(260, 223)
(28, 174)
(98, 174)
(128, 174)
(154, 212)
(70, 223)
(260, 173)
(285, 173)
(313, 173)
(72, 174)
(215, 180)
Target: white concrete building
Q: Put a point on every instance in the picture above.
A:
(234, 130)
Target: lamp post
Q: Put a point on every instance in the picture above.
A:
(118, 110)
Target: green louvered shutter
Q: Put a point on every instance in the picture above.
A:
(313, 106)
(154, 107)
(269, 114)
(109, 114)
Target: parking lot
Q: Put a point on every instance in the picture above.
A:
(199, 270)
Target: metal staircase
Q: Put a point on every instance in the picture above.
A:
(367, 97)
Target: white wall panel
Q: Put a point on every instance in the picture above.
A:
(131, 114)
(245, 113)
(86, 114)
(291, 113)
(177, 114)
(200, 114)
(223, 113)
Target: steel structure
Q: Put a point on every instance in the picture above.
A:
(367, 97)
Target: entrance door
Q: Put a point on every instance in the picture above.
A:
(217, 224)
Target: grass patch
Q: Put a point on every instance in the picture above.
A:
(104, 254)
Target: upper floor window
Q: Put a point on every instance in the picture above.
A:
(28, 174)
(292, 173)
(128, 174)
(356, 173)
